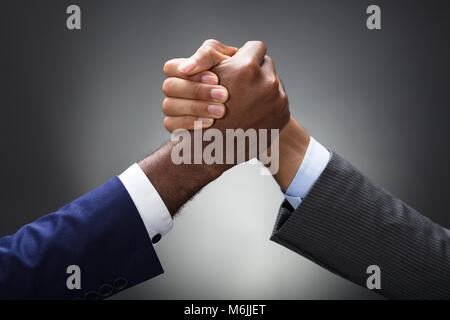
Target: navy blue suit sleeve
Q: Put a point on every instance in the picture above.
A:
(101, 232)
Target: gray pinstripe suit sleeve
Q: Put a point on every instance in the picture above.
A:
(347, 223)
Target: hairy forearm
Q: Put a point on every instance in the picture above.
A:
(293, 144)
(176, 184)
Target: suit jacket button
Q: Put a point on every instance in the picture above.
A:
(156, 238)
(120, 283)
(91, 295)
(106, 290)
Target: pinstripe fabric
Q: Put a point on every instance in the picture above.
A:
(347, 223)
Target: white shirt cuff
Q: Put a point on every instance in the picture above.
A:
(315, 161)
(151, 207)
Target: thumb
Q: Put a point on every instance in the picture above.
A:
(210, 54)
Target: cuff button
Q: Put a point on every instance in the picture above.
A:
(156, 238)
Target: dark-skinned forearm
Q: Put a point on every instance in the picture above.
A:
(176, 184)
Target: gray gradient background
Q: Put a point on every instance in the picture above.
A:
(80, 107)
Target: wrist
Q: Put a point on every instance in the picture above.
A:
(176, 184)
(293, 143)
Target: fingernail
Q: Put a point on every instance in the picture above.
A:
(209, 79)
(216, 109)
(218, 94)
(187, 66)
(206, 122)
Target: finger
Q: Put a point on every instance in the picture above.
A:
(171, 70)
(211, 53)
(268, 68)
(186, 122)
(253, 50)
(181, 88)
(268, 65)
(197, 108)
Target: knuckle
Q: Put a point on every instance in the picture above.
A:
(253, 66)
(282, 103)
(167, 123)
(166, 66)
(283, 100)
(170, 65)
(258, 43)
(167, 86)
(211, 42)
(250, 64)
(196, 90)
(269, 59)
(195, 109)
(273, 84)
(186, 122)
(166, 105)
(207, 51)
(261, 45)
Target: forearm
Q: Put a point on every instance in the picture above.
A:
(347, 223)
(176, 184)
(34, 260)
